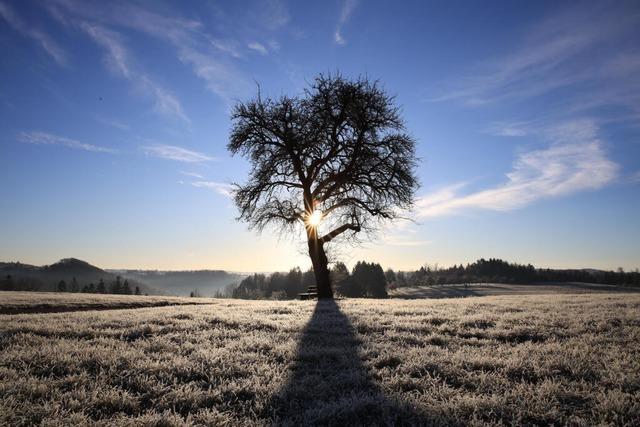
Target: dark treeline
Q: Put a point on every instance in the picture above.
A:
(367, 280)
(117, 286)
(499, 271)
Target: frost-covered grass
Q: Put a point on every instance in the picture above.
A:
(33, 302)
(498, 289)
(516, 360)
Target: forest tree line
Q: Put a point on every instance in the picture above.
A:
(117, 286)
(496, 270)
(368, 280)
(365, 280)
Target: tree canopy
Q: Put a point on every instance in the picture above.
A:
(336, 159)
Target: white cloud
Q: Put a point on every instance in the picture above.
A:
(119, 62)
(117, 57)
(194, 47)
(112, 122)
(221, 188)
(508, 129)
(43, 138)
(271, 15)
(179, 154)
(258, 48)
(571, 48)
(226, 46)
(219, 78)
(345, 13)
(43, 39)
(574, 162)
(192, 174)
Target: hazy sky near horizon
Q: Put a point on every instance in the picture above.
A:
(115, 120)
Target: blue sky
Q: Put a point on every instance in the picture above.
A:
(115, 118)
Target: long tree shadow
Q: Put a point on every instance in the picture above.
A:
(329, 384)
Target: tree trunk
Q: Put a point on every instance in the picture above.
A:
(320, 268)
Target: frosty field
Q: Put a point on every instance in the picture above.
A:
(51, 302)
(533, 360)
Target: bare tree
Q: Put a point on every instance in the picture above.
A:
(336, 159)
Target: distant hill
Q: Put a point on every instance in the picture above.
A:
(72, 265)
(182, 283)
(46, 278)
(152, 282)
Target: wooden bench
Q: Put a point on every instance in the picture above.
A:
(312, 293)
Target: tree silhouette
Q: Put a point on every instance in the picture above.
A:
(126, 288)
(336, 159)
(75, 287)
(369, 280)
(101, 288)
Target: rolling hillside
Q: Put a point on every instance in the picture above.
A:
(46, 278)
(152, 282)
(182, 283)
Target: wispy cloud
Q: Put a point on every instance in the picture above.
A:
(219, 79)
(258, 47)
(575, 161)
(270, 15)
(193, 45)
(345, 13)
(179, 154)
(117, 57)
(43, 138)
(192, 174)
(112, 122)
(119, 62)
(226, 46)
(587, 48)
(221, 188)
(509, 129)
(42, 38)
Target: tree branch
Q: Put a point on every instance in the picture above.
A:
(338, 231)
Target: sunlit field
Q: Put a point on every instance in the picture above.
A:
(534, 360)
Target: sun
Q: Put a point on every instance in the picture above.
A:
(314, 218)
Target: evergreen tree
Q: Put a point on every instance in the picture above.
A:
(390, 275)
(101, 288)
(340, 276)
(116, 287)
(293, 283)
(377, 285)
(126, 289)
(369, 280)
(354, 286)
(137, 291)
(7, 284)
(401, 279)
(74, 285)
(62, 286)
